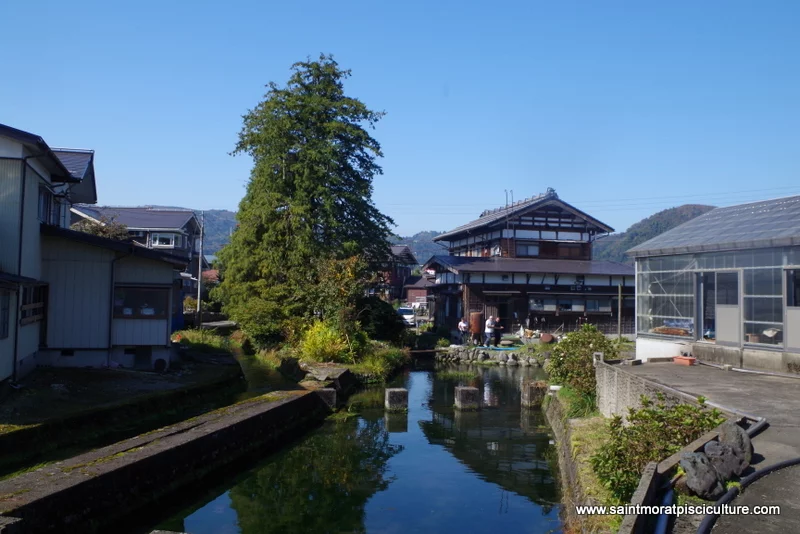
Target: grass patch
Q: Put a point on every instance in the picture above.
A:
(457, 376)
(586, 437)
(576, 404)
(205, 341)
(380, 363)
(371, 398)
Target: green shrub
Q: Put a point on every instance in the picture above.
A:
(380, 320)
(576, 404)
(322, 343)
(571, 359)
(443, 343)
(654, 432)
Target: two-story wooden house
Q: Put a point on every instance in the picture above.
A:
(68, 298)
(530, 263)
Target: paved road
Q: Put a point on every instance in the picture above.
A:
(777, 399)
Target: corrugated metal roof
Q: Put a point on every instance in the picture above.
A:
(459, 264)
(490, 217)
(140, 218)
(768, 223)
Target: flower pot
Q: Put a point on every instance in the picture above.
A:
(684, 360)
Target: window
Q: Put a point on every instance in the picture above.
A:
(728, 288)
(793, 288)
(5, 313)
(527, 250)
(45, 205)
(536, 304)
(564, 305)
(592, 305)
(569, 251)
(32, 305)
(163, 240)
(141, 303)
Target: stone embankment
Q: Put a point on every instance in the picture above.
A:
(482, 355)
(102, 487)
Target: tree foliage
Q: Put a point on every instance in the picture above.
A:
(309, 198)
(105, 227)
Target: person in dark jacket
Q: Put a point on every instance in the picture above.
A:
(498, 332)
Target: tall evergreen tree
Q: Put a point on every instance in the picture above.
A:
(309, 197)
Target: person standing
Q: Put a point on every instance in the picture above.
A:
(463, 328)
(488, 331)
(497, 332)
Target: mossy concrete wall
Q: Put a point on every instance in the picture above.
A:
(100, 487)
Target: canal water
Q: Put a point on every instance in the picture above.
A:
(433, 469)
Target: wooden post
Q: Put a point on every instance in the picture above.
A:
(619, 311)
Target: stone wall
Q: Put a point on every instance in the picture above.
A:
(104, 486)
(619, 390)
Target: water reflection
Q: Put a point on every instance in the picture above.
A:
(429, 470)
(503, 443)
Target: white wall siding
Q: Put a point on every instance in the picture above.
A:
(133, 270)
(10, 181)
(26, 348)
(31, 239)
(80, 294)
(10, 148)
(134, 332)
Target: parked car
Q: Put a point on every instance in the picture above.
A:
(408, 316)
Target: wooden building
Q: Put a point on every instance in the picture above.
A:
(530, 263)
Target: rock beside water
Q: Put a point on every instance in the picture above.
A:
(701, 477)
(733, 435)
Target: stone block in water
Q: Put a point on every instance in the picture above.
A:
(533, 392)
(396, 399)
(467, 398)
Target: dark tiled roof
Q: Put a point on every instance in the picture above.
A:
(112, 244)
(464, 264)
(11, 281)
(140, 218)
(403, 252)
(769, 223)
(489, 217)
(76, 161)
(419, 282)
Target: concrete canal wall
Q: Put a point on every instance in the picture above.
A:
(96, 489)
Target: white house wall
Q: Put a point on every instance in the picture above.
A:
(10, 180)
(31, 239)
(79, 300)
(133, 270)
(10, 148)
(26, 348)
(133, 332)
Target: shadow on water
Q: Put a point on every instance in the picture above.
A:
(431, 469)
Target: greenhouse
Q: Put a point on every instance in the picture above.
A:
(729, 278)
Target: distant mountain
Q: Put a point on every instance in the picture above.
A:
(421, 244)
(614, 246)
(219, 225)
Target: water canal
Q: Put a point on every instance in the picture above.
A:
(430, 470)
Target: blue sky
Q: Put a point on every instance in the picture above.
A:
(625, 108)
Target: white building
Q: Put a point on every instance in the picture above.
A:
(68, 298)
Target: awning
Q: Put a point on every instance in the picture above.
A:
(12, 281)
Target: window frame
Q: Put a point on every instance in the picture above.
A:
(156, 235)
(164, 292)
(32, 305)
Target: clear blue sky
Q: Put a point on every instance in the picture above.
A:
(625, 108)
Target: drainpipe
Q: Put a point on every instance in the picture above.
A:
(111, 310)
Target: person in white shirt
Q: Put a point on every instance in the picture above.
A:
(488, 332)
(463, 328)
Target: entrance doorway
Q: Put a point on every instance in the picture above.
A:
(708, 307)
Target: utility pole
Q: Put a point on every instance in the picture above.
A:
(619, 311)
(200, 271)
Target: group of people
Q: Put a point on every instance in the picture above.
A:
(492, 330)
